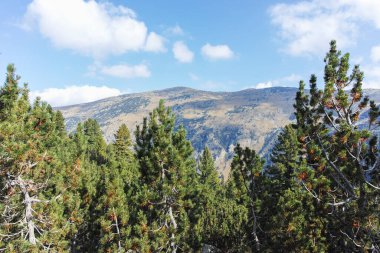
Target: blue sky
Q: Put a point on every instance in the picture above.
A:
(73, 51)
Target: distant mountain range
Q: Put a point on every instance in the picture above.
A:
(251, 117)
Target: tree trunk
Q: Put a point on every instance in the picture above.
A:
(117, 231)
(28, 211)
(174, 223)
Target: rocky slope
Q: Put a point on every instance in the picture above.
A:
(219, 120)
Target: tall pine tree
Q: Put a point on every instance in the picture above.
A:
(338, 141)
(247, 180)
(166, 167)
(33, 214)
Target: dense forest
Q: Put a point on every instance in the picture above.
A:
(319, 192)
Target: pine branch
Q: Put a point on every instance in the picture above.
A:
(349, 188)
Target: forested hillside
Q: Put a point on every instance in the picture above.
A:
(75, 192)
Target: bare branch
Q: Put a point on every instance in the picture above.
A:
(340, 203)
(353, 240)
(312, 193)
(373, 186)
(172, 218)
(11, 235)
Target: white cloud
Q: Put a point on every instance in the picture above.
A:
(371, 77)
(264, 85)
(286, 81)
(74, 94)
(308, 26)
(375, 54)
(91, 28)
(367, 10)
(217, 52)
(155, 43)
(182, 53)
(126, 71)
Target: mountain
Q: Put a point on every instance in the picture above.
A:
(252, 117)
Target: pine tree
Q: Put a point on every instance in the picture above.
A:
(91, 150)
(113, 208)
(60, 123)
(247, 180)
(342, 148)
(205, 214)
(123, 142)
(293, 220)
(32, 212)
(164, 156)
(117, 204)
(10, 94)
(95, 144)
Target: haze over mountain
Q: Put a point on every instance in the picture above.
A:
(251, 117)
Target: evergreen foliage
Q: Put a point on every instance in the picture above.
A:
(76, 193)
(247, 185)
(342, 154)
(167, 168)
(295, 223)
(34, 183)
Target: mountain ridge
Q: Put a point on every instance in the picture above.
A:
(218, 120)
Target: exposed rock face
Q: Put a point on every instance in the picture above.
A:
(217, 119)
